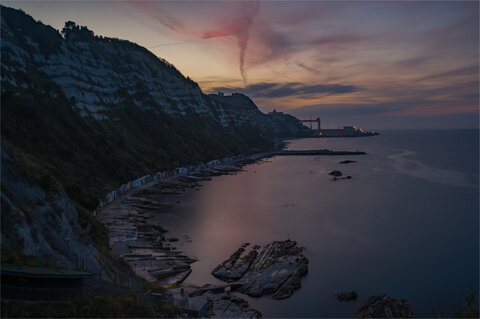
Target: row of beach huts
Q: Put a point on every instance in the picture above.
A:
(187, 170)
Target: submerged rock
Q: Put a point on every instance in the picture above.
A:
(340, 178)
(347, 162)
(383, 306)
(335, 173)
(276, 268)
(346, 296)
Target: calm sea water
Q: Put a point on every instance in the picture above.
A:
(406, 224)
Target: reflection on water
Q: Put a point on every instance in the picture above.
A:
(401, 226)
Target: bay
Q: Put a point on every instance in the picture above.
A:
(406, 224)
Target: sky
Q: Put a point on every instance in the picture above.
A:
(373, 64)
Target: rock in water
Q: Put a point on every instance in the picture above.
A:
(347, 162)
(234, 268)
(383, 306)
(276, 268)
(346, 296)
(335, 173)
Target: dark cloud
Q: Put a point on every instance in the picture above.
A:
(413, 62)
(305, 67)
(468, 71)
(273, 44)
(409, 107)
(340, 39)
(150, 8)
(339, 110)
(385, 115)
(276, 90)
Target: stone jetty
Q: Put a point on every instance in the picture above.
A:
(315, 152)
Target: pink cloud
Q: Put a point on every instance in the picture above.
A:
(239, 27)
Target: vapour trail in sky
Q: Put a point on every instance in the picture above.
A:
(238, 24)
(239, 27)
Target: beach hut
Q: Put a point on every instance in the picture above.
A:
(181, 170)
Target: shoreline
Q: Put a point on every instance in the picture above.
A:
(145, 245)
(265, 302)
(137, 237)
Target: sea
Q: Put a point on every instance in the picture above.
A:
(406, 224)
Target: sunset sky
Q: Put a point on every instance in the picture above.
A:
(374, 64)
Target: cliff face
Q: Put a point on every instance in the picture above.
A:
(41, 223)
(100, 76)
(87, 113)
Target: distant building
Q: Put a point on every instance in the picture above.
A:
(345, 131)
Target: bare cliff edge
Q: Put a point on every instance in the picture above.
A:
(82, 114)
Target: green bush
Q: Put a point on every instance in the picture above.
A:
(48, 183)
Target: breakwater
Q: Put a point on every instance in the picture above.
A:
(315, 152)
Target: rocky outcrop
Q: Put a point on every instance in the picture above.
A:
(276, 268)
(229, 306)
(383, 306)
(211, 301)
(233, 269)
